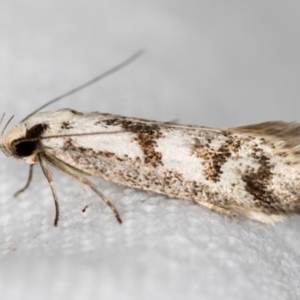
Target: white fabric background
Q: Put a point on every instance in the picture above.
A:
(214, 63)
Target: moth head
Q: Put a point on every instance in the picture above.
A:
(22, 143)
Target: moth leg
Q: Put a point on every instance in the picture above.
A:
(49, 177)
(93, 187)
(81, 178)
(29, 179)
(85, 208)
(218, 209)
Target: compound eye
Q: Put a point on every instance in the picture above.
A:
(24, 149)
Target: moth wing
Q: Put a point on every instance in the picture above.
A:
(284, 135)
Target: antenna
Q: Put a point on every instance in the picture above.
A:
(90, 82)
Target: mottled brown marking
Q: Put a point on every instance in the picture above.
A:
(213, 160)
(175, 184)
(75, 112)
(68, 145)
(146, 136)
(147, 142)
(257, 182)
(66, 125)
(37, 130)
(282, 154)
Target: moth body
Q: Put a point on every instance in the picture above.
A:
(252, 170)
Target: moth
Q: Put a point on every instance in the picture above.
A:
(251, 170)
